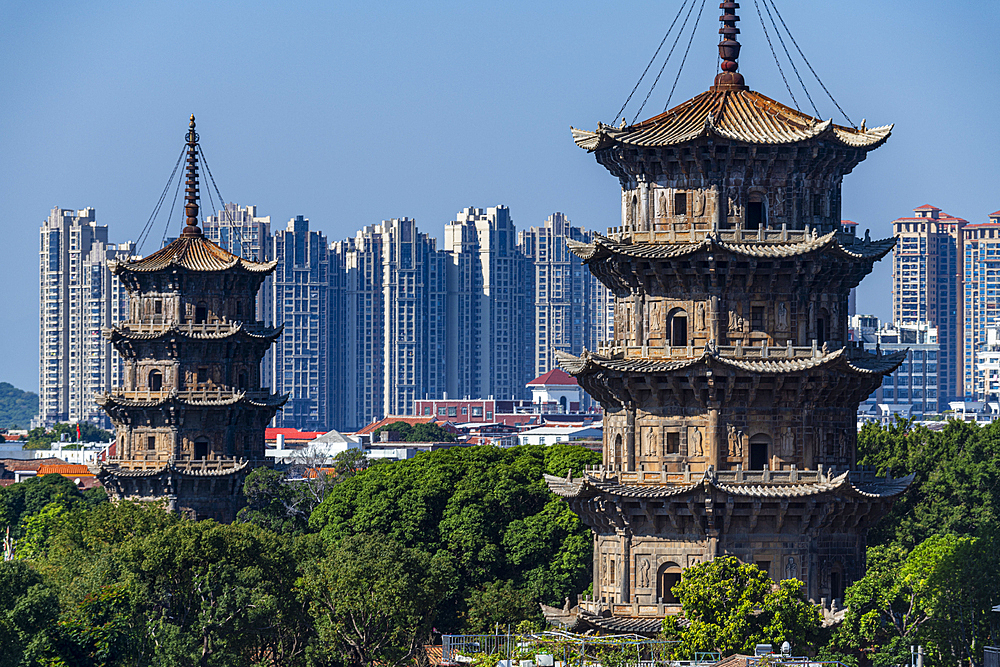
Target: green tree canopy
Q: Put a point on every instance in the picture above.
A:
(957, 484)
(42, 438)
(731, 607)
(486, 506)
(425, 432)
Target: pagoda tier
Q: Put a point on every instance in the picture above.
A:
(731, 159)
(191, 399)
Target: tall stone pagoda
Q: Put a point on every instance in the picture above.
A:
(190, 419)
(730, 389)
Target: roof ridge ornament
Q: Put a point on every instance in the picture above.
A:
(191, 185)
(729, 50)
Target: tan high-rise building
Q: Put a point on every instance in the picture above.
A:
(927, 287)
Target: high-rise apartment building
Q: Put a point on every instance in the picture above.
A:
(392, 327)
(913, 389)
(301, 357)
(981, 254)
(927, 286)
(488, 312)
(573, 309)
(242, 232)
(79, 298)
(988, 366)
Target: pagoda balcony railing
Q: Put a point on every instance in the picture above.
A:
(627, 609)
(733, 351)
(687, 233)
(861, 475)
(159, 324)
(195, 465)
(215, 393)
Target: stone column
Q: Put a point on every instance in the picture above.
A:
(638, 306)
(630, 437)
(713, 320)
(625, 590)
(712, 437)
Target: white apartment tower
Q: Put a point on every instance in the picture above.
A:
(301, 359)
(78, 299)
(572, 309)
(390, 331)
(488, 313)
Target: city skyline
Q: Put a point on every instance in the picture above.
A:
(331, 92)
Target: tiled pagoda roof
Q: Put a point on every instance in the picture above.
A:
(111, 401)
(194, 253)
(840, 485)
(605, 247)
(195, 332)
(737, 115)
(858, 363)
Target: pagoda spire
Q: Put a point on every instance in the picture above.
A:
(191, 185)
(729, 50)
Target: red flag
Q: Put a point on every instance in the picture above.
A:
(78, 438)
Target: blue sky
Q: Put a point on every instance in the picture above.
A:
(350, 113)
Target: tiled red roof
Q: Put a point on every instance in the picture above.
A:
(555, 376)
(994, 214)
(392, 419)
(848, 222)
(927, 207)
(64, 469)
(291, 434)
(20, 465)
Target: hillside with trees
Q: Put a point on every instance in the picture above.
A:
(17, 408)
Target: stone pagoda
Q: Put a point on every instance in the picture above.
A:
(190, 419)
(730, 389)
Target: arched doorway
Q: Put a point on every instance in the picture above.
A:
(677, 327)
(760, 451)
(618, 451)
(155, 380)
(668, 575)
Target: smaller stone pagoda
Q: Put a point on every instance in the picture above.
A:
(191, 415)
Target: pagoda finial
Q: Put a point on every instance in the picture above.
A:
(729, 50)
(191, 185)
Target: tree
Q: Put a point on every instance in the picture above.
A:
(217, 594)
(423, 432)
(374, 600)
(486, 506)
(731, 606)
(956, 488)
(42, 438)
(28, 612)
(19, 502)
(273, 503)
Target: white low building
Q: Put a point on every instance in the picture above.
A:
(550, 435)
(82, 453)
(319, 451)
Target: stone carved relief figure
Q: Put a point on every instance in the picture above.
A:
(736, 321)
(736, 440)
(735, 209)
(698, 206)
(644, 573)
(663, 205)
(656, 318)
(791, 569)
(604, 570)
(699, 322)
(782, 316)
(695, 439)
(842, 445)
(787, 442)
(778, 201)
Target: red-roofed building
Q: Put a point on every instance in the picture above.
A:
(555, 391)
(412, 421)
(927, 287)
(292, 436)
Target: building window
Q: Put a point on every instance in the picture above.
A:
(678, 329)
(202, 375)
(155, 380)
(680, 203)
(673, 444)
(760, 446)
(151, 442)
(201, 448)
(200, 313)
(158, 307)
(452, 412)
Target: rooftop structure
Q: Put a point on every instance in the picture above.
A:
(191, 413)
(730, 389)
